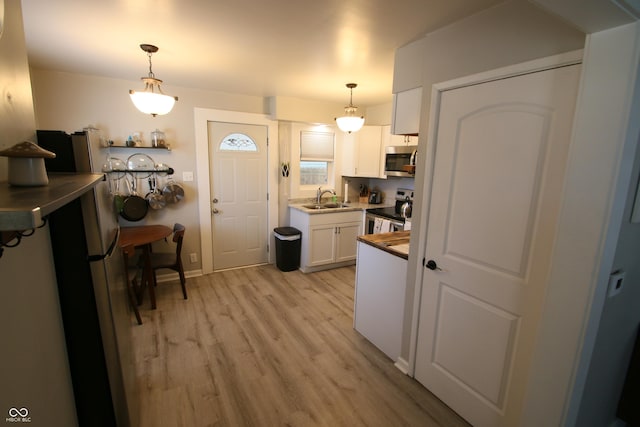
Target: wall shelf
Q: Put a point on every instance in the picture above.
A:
(140, 147)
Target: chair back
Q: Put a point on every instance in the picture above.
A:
(178, 235)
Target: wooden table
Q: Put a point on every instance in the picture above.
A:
(143, 236)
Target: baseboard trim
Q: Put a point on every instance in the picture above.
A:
(402, 365)
(168, 277)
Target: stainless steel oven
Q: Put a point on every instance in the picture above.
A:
(370, 223)
(376, 217)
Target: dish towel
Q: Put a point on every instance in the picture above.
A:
(386, 226)
(377, 225)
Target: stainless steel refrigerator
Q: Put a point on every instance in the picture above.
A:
(91, 285)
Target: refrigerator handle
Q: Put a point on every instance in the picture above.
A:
(112, 246)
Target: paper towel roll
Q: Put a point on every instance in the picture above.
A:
(346, 192)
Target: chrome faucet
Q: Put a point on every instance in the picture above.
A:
(321, 192)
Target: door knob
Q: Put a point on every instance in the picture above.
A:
(215, 200)
(431, 265)
(215, 211)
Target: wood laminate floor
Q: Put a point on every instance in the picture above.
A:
(259, 347)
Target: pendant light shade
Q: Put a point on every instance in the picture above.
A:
(350, 122)
(152, 100)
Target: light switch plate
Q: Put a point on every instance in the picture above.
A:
(187, 176)
(616, 280)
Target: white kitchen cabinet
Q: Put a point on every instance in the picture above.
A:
(389, 139)
(362, 152)
(408, 67)
(405, 117)
(379, 298)
(328, 239)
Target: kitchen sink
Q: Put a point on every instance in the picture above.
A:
(326, 206)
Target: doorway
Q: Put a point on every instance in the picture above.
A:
(204, 120)
(498, 155)
(238, 180)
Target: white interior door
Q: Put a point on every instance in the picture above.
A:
(238, 169)
(500, 155)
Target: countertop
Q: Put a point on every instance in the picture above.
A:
(345, 207)
(396, 243)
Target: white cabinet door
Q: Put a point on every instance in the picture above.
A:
(327, 238)
(500, 158)
(405, 119)
(369, 151)
(379, 298)
(321, 244)
(346, 240)
(362, 152)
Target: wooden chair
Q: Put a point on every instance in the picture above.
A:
(131, 272)
(172, 261)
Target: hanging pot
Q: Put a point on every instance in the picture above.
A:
(154, 197)
(173, 192)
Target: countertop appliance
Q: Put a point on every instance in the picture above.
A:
(91, 287)
(397, 157)
(391, 213)
(375, 197)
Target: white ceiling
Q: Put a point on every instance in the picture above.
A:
(298, 48)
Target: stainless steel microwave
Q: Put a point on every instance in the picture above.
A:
(398, 156)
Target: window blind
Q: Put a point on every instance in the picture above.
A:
(316, 146)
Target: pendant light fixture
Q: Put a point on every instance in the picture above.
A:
(152, 100)
(350, 122)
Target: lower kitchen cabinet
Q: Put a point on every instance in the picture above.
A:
(328, 239)
(379, 298)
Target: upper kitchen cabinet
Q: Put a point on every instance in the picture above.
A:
(405, 119)
(362, 152)
(407, 88)
(408, 66)
(389, 139)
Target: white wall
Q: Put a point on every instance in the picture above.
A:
(510, 33)
(618, 325)
(596, 191)
(70, 102)
(17, 121)
(34, 372)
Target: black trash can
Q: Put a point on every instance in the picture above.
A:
(288, 241)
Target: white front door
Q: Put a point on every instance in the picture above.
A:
(500, 155)
(238, 168)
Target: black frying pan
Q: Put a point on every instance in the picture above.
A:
(134, 207)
